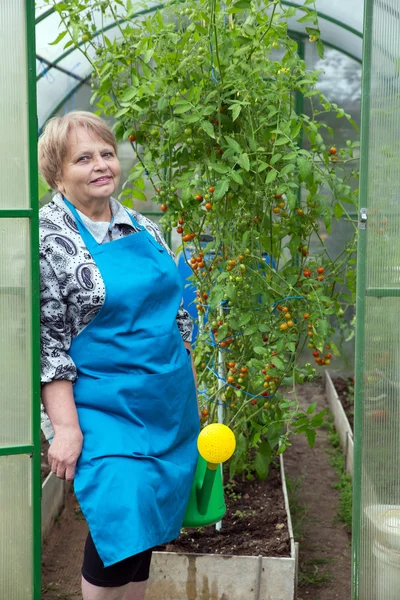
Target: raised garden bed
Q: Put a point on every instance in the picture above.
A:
(341, 420)
(345, 390)
(254, 556)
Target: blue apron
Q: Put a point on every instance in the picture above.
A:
(136, 400)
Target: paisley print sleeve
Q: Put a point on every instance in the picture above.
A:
(183, 318)
(55, 334)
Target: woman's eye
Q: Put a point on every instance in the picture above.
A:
(83, 158)
(108, 154)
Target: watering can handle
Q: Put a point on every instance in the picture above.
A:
(204, 492)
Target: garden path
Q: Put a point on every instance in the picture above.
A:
(325, 553)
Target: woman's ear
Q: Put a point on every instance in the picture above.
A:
(60, 187)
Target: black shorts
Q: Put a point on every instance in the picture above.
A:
(134, 568)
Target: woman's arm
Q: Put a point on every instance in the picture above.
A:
(66, 447)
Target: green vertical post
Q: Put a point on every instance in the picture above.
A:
(35, 291)
(299, 108)
(360, 305)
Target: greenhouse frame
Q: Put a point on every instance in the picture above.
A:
(40, 79)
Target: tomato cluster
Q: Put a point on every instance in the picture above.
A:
(237, 375)
(320, 359)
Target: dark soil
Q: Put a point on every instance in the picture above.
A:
(345, 391)
(255, 522)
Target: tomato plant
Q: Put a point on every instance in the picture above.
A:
(209, 110)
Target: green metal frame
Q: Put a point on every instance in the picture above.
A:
(361, 294)
(35, 297)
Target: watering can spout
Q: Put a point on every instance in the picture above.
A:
(216, 444)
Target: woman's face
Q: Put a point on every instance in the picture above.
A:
(91, 169)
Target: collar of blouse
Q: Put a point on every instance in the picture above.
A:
(119, 213)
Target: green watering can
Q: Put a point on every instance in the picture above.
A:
(216, 444)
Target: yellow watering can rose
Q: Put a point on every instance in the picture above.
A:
(216, 444)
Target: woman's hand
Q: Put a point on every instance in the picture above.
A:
(64, 452)
(66, 447)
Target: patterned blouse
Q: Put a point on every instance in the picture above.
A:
(72, 290)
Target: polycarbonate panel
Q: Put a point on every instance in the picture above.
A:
(348, 12)
(16, 528)
(13, 103)
(15, 340)
(379, 543)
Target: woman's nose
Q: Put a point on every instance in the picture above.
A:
(100, 163)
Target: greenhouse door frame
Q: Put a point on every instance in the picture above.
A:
(32, 214)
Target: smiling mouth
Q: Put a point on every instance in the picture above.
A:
(100, 180)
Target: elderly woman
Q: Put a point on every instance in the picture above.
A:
(118, 384)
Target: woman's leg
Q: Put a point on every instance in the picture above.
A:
(125, 580)
(94, 592)
(136, 591)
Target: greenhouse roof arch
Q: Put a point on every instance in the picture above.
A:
(60, 73)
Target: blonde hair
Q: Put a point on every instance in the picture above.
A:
(54, 141)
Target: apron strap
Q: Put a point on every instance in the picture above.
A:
(90, 242)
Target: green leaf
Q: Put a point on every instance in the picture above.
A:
(221, 188)
(242, 4)
(236, 108)
(230, 291)
(129, 94)
(311, 17)
(244, 161)
(262, 167)
(334, 348)
(139, 195)
(233, 144)
(208, 128)
(271, 177)
(236, 177)
(282, 448)
(262, 460)
(245, 318)
(147, 55)
(121, 112)
(311, 435)
(275, 158)
(58, 38)
(288, 169)
(291, 199)
(278, 363)
(222, 332)
(259, 350)
(320, 49)
(219, 167)
(318, 419)
(311, 408)
(179, 110)
(304, 168)
(281, 141)
(338, 210)
(322, 327)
